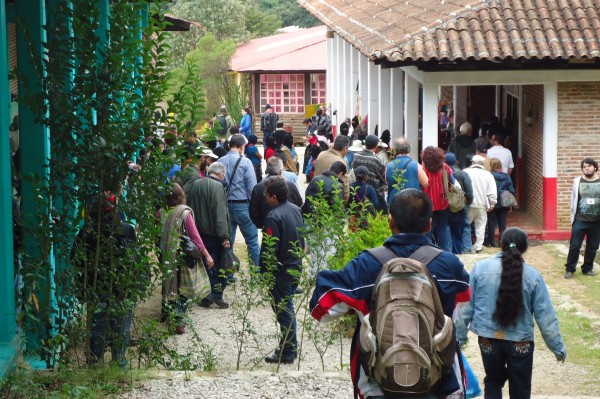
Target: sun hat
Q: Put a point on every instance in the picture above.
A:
(356, 146)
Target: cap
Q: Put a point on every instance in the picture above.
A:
(208, 153)
(450, 159)
(478, 159)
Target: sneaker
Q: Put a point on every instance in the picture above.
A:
(274, 358)
(221, 304)
(590, 273)
(205, 302)
(568, 275)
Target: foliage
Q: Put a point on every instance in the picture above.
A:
(102, 85)
(290, 13)
(210, 62)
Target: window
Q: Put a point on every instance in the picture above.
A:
(318, 84)
(285, 92)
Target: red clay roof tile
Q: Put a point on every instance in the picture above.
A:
(429, 30)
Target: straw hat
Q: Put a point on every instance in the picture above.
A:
(356, 146)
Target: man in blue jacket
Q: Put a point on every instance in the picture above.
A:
(351, 289)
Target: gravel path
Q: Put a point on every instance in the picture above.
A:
(307, 379)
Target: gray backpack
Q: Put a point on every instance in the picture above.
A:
(407, 343)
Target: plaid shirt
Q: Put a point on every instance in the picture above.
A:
(435, 191)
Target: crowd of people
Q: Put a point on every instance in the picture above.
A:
(212, 193)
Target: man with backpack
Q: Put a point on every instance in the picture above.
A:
(420, 351)
(268, 123)
(223, 124)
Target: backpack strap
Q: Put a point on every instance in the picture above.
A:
(228, 189)
(426, 254)
(383, 254)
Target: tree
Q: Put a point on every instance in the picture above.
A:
(211, 60)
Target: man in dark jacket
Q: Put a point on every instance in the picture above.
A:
(268, 123)
(460, 230)
(208, 201)
(283, 222)
(463, 144)
(259, 206)
(338, 292)
(329, 185)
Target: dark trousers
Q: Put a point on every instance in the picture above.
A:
(110, 329)
(579, 231)
(507, 361)
(496, 218)
(440, 229)
(283, 306)
(218, 282)
(457, 222)
(258, 172)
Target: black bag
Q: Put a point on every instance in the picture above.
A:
(229, 262)
(189, 249)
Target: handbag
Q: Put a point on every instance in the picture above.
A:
(507, 199)
(229, 262)
(189, 249)
(194, 282)
(455, 195)
(473, 388)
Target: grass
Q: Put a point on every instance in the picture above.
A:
(103, 382)
(578, 312)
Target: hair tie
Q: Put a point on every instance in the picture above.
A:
(512, 245)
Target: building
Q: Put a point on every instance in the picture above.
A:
(534, 64)
(287, 71)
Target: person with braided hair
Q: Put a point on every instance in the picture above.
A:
(507, 295)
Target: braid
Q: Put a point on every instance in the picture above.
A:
(509, 305)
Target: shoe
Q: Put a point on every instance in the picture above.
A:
(180, 330)
(299, 291)
(591, 273)
(568, 275)
(274, 358)
(478, 251)
(205, 302)
(221, 304)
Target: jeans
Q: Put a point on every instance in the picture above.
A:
(218, 282)
(240, 216)
(283, 306)
(579, 230)
(440, 229)
(110, 329)
(507, 360)
(458, 221)
(467, 244)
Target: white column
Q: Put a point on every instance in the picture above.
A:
(330, 70)
(354, 54)
(384, 99)
(339, 77)
(397, 103)
(411, 116)
(334, 76)
(550, 134)
(363, 84)
(373, 105)
(347, 83)
(430, 115)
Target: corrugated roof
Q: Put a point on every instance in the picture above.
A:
(301, 50)
(452, 30)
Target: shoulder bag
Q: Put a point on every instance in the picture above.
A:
(456, 197)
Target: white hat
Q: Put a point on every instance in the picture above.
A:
(356, 146)
(382, 144)
(208, 153)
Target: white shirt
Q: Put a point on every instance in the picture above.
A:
(504, 155)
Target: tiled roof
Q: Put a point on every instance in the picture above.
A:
(300, 50)
(408, 31)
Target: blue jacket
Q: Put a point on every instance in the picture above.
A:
(477, 314)
(246, 125)
(411, 175)
(503, 182)
(340, 291)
